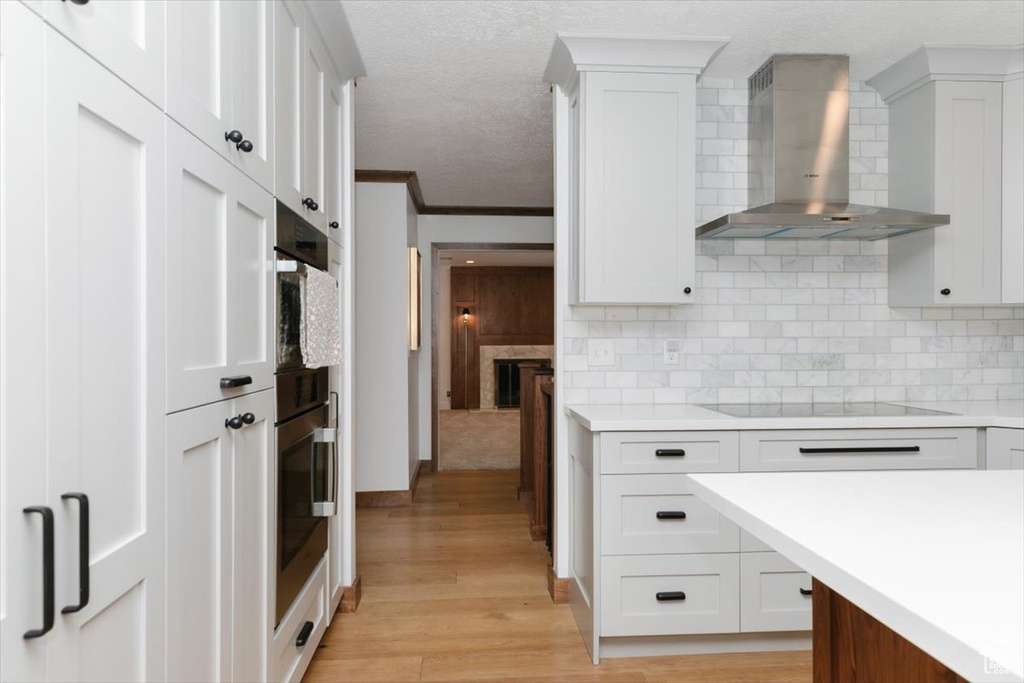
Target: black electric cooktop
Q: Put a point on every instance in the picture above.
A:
(818, 410)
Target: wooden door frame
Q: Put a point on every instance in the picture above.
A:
(435, 279)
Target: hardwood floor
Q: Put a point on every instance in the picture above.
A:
(455, 590)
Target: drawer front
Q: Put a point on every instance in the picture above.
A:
(658, 514)
(858, 449)
(774, 594)
(630, 587)
(291, 659)
(1004, 449)
(669, 452)
(749, 543)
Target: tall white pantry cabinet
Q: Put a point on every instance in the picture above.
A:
(136, 253)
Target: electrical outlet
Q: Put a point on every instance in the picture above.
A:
(671, 352)
(600, 352)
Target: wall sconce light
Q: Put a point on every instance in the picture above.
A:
(465, 316)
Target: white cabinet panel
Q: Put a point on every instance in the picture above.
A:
(22, 396)
(1004, 449)
(1013, 180)
(637, 159)
(314, 101)
(289, 51)
(126, 36)
(775, 594)
(105, 222)
(667, 452)
(334, 158)
(219, 235)
(337, 525)
(252, 86)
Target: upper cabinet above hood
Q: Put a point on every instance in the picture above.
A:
(800, 160)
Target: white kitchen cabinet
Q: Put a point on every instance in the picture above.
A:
(1004, 449)
(631, 141)
(219, 79)
(289, 33)
(126, 36)
(315, 69)
(335, 148)
(337, 524)
(775, 594)
(955, 147)
(23, 397)
(219, 258)
(219, 531)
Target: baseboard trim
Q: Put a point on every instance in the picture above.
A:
(391, 499)
(351, 596)
(558, 588)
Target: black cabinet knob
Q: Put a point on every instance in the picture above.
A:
(79, 2)
(310, 204)
(945, 292)
(234, 136)
(248, 418)
(686, 290)
(334, 225)
(245, 146)
(234, 422)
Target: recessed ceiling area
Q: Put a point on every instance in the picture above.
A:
(454, 89)
(498, 257)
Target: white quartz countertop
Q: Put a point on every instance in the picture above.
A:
(938, 556)
(682, 417)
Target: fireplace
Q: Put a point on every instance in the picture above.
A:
(506, 380)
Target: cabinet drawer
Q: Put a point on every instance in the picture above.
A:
(858, 449)
(749, 543)
(1004, 449)
(292, 660)
(770, 594)
(658, 514)
(630, 588)
(667, 452)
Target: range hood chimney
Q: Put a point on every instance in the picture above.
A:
(800, 160)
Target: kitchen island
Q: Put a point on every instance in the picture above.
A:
(919, 575)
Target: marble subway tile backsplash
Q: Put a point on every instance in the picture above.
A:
(792, 321)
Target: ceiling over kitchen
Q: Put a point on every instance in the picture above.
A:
(454, 89)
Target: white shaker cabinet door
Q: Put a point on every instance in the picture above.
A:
(199, 558)
(219, 234)
(252, 86)
(334, 158)
(199, 79)
(23, 312)
(126, 36)
(314, 100)
(105, 337)
(289, 48)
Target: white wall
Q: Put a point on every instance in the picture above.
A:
(382, 448)
(463, 230)
(412, 362)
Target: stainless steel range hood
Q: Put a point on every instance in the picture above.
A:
(799, 136)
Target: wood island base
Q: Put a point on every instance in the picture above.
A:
(851, 645)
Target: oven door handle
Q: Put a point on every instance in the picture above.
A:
(324, 508)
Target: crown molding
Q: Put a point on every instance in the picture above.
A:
(412, 182)
(948, 63)
(576, 52)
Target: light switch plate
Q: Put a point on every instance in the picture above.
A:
(671, 352)
(600, 352)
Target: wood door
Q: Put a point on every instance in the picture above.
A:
(219, 296)
(637, 238)
(252, 564)
(252, 86)
(199, 73)
(199, 459)
(334, 150)
(314, 100)
(22, 395)
(289, 20)
(105, 336)
(126, 36)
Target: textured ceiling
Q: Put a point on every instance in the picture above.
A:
(454, 89)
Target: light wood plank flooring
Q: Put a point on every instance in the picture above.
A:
(454, 590)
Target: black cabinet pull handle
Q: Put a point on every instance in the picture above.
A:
(234, 422)
(858, 449)
(671, 514)
(304, 632)
(805, 591)
(310, 204)
(244, 146)
(234, 136)
(334, 225)
(83, 551)
(47, 515)
(236, 381)
(669, 453)
(668, 596)
(248, 418)
(945, 292)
